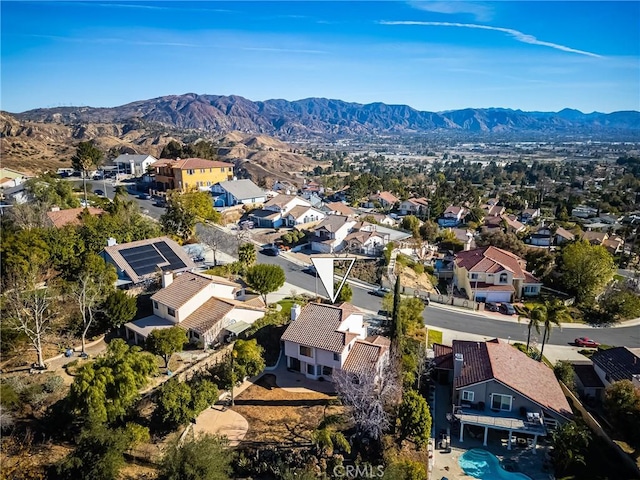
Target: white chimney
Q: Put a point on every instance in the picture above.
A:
(295, 311)
(55, 208)
(458, 361)
(111, 242)
(167, 279)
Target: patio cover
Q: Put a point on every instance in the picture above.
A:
(146, 325)
(238, 327)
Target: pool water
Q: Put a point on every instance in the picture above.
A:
(479, 463)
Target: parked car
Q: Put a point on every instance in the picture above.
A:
(379, 292)
(586, 342)
(144, 196)
(507, 309)
(100, 193)
(270, 251)
(247, 224)
(491, 307)
(310, 270)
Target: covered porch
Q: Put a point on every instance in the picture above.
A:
(139, 330)
(531, 425)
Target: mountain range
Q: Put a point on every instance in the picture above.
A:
(324, 118)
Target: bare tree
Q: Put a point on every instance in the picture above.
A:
(217, 240)
(88, 295)
(30, 306)
(27, 216)
(368, 395)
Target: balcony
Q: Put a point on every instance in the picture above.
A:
(531, 424)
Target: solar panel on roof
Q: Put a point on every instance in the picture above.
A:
(143, 259)
(175, 262)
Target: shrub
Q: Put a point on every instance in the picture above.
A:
(53, 383)
(9, 397)
(418, 268)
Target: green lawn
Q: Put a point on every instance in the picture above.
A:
(286, 304)
(434, 336)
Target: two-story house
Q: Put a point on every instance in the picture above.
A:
(498, 387)
(338, 208)
(323, 339)
(330, 234)
(529, 215)
(190, 173)
(274, 212)
(414, 206)
(237, 192)
(366, 239)
(302, 215)
(546, 236)
(206, 306)
(493, 210)
(490, 274)
(136, 165)
(452, 216)
(509, 223)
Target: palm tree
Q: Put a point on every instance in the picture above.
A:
(556, 312)
(534, 315)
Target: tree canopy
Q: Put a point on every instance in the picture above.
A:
(265, 278)
(622, 404)
(105, 389)
(248, 358)
(346, 293)
(415, 418)
(203, 458)
(586, 269)
(179, 402)
(166, 341)
(119, 308)
(184, 210)
(247, 254)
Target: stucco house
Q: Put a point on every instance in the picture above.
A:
(387, 200)
(498, 387)
(503, 222)
(323, 339)
(452, 216)
(544, 237)
(365, 238)
(186, 174)
(329, 235)
(490, 274)
(529, 215)
(207, 307)
(136, 165)
(414, 206)
(274, 212)
(338, 208)
(237, 192)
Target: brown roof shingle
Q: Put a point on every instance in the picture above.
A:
(317, 326)
(183, 288)
(363, 356)
(204, 318)
(71, 216)
(490, 259)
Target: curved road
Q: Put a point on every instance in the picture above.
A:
(451, 318)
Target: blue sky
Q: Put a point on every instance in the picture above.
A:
(435, 56)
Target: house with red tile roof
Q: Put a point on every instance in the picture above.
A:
(452, 216)
(490, 274)
(498, 387)
(323, 339)
(70, 216)
(387, 200)
(414, 206)
(207, 307)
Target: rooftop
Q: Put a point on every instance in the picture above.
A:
(242, 189)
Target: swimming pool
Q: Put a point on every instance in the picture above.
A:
(479, 463)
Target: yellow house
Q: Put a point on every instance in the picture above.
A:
(190, 173)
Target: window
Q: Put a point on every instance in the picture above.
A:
(311, 369)
(327, 371)
(195, 335)
(190, 172)
(202, 170)
(501, 402)
(155, 304)
(171, 312)
(504, 278)
(530, 289)
(474, 276)
(306, 351)
(336, 357)
(467, 396)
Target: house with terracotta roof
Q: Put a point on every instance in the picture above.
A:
(323, 339)
(208, 307)
(414, 206)
(387, 200)
(493, 210)
(506, 222)
(613, 243)
(490, 274)
(452, 216)
(498, 387)
(71, 216)
(275, 211)
(339, 208)
(185, 174)
(141, 262)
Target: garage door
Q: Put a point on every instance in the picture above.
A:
(498, 296)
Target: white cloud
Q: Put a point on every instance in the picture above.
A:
(479, 11)
(521, 37)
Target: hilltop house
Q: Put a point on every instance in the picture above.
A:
(208, 307)
(490, 274)
(452, 216)
(508, 222)
(190, 173)
(498, 387)
(273, 214)
(136, 165)
(140, 262)
(237, 192)
(323, 339)
(338, 208)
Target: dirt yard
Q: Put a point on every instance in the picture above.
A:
(276, 415)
